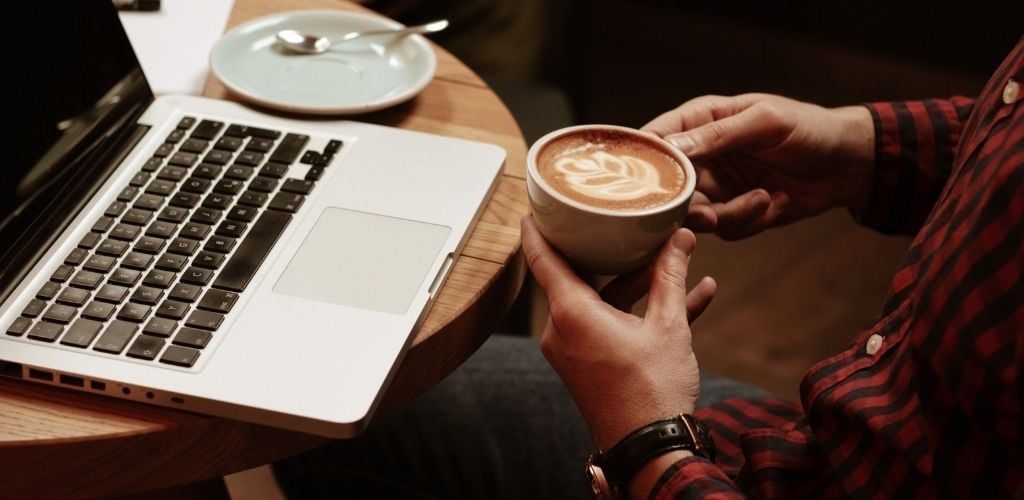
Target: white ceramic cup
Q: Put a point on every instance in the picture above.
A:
(600, 240)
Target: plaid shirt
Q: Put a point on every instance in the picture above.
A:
(927, 401)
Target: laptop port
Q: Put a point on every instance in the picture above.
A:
(10, 369)
(40, 374)
(72, 380)
(96, 385)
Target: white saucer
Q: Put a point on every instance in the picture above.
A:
(358, 76)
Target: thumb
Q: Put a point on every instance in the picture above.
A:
(754, 126)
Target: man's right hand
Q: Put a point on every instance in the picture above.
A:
(764, 160)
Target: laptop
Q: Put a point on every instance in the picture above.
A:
(196, 254)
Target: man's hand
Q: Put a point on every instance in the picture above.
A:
(623, 371)
(764, 160)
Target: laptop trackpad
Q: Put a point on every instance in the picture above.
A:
(363, 260)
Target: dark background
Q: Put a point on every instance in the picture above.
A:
(789, 297)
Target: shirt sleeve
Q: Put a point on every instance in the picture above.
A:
(915, 143)
(694, 477)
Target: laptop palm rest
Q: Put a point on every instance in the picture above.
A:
(363, 260)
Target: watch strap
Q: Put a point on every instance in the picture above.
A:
(682, 432)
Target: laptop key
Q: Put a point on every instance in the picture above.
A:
(180, 356)
(87, 279)
(263, 184)
(205, 320)
(218, 301)
(102, 224)
(197, 276)
(116, 337)
(209, 260)
(220, 244)
(232, 229)
(299, 186)
(173, 173)
(152, 164)
(124, 276)
(191, 337)
(59, 313)
(89, 240)
(260, 145)
(173, 214)
(136, 313)
(48, 290)
(159, 279)
(150, 244)
(160, 187)
(239, 172)
(274, 170)
(161, 229)
(137, 260)
(186, 122)
(99, 311)
(149, 201)
(309, 157)
(208, 171)
(217, 201)
(113, 294)
(289, 148)
(196, 185)
(184, 293)
(207, 129)
(164, 150)
(76, 256)
(160, 327)
(175, 136)
(183, 246)
(287, 202)
(229, 186)
(147, 295)
(125, 232)
(82, 333)
(183, 159)
(195, 230)
(137, 216)
(248, 157)
(112, 248)
(20, 326)
(184, 200)
(100, 263)
(172, 309)
(252, 199)
(195, 146)
(242, 214)
(251, 253)
(128, 193)
(146, 347)
(34, 308)
(172, 262)
(244, 131)
(73, 297)
(315, 173)
(140, 179)
(46, 332)
(115, 208)
(228, 143)
(62, 273)
(217, 157)
(333, 146)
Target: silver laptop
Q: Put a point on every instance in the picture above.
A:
(196, 254)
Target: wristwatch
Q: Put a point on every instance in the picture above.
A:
(609, 472)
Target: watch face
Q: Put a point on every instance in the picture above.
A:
(598, 483)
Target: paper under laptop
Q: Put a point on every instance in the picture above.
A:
(130, 226)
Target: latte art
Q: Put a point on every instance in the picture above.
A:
(611, 169)
(610, 177)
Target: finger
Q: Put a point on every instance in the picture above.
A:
(699, 111)
(742, 209)
(742, 227)
(699, 297)
(760, 125)
(551, 271)
(667, 299)
(626, 290)
(700, 217)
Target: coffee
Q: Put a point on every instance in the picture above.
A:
(611, 169)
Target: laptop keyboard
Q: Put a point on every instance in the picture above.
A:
(158, 272)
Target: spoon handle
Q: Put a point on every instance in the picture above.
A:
(430, 27)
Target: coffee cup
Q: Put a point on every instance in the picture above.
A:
(607, 197)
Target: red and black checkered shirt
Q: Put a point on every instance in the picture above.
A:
(927, 402)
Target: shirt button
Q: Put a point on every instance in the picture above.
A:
(1011, 92)
(874, 344)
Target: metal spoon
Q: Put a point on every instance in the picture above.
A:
(305, 43)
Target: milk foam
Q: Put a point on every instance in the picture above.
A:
(605, 176)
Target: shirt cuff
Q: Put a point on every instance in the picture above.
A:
(694, 477)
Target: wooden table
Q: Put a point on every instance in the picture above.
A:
(58, 443)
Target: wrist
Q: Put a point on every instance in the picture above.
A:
(855, 154)
(645, 478)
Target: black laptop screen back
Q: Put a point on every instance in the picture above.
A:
(73, 89)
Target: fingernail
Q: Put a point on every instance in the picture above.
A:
(683, 142)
